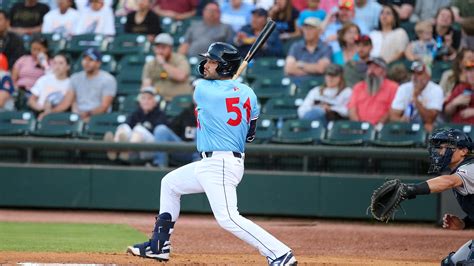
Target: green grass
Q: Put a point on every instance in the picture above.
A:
(67, 237)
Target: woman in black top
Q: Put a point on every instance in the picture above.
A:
(143, 21)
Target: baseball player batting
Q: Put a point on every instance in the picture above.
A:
(227, 113)
(451, 158)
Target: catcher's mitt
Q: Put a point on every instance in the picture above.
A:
(386, 199)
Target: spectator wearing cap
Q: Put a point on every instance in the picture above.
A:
(236, 13)
(285, 16)
(336, 19)
(247, 35)
(96, 18)
(201, 34)
(459, 107)
(389, 41)
(308, 58)
(355, 70)
(169, 72)
(423, 49)
(27, 17)
(369, 12)
(419, 100)
(176, 9)
(30, 67)
(11, 45)
(143, 20)
(61, 20)
(93, 89)
(404, 8)
(346, 37)
(49, 90)
(371, 98)
(312, 10)
(327, 102)
(138, 127)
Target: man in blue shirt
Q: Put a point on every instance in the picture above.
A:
(227, 113)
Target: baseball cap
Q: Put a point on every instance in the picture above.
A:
(378, 61)
(346, 4)
(333, 70)
(420, 67)
(469, 64)
(164, 38)
(149, 90)
(260, 12)
(312, 21)
(365, 39)
(93, 54)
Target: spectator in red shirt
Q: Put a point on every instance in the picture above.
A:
(372, 98)
(460, 104)
(176, 9)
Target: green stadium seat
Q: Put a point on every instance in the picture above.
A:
(271, 87)
(299, 132)
(119, 23)
(80, 43)
(59, 125)
(271, 67)
(56, 42)
(129, 44)
(466, 128)
(100, 124)
(281, 108)
(130, 70)
(437, 70)
(348, 133)
(401, 134)
(303, 88)
(125, 103)
(265, 131)
(193, 63)
(178, 104)
(344, 132)
(16, 123)
(409, 28)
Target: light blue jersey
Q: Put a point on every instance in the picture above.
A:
(224, 110)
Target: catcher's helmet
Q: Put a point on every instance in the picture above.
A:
(453, 138)
(227, 56)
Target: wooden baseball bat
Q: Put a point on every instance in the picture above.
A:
(261, 39)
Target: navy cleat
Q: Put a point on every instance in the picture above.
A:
(287, 259)
(144, 250)
(158, 247)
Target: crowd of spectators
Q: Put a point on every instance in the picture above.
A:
(349, 45)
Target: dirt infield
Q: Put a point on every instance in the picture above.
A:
(198, 240)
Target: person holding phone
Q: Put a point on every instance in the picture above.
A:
(329, 101)
(460, 105)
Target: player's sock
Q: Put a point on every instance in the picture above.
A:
(161, 233)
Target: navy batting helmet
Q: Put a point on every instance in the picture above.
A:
(452, 138)
(227, 56)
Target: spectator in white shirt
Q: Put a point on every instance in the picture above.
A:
(329, 101)
(61, 20)
(97, 18)
(49, 90)
(419, 100)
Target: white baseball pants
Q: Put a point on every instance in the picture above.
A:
(218, 176)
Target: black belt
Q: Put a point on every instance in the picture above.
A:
(209, 154)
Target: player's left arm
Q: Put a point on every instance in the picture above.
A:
(254, 113)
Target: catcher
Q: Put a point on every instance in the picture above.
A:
(450, 156)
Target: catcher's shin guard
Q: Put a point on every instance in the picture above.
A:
(158, 247)
(463, 256)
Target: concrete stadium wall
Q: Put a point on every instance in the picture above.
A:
(138, 188)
